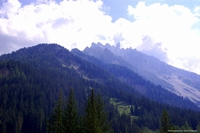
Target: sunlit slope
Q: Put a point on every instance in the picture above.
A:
(181, 82)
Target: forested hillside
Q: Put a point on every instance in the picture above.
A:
(178, 81)
(31, 79)
(145, 87)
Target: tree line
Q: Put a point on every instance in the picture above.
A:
(65, 118)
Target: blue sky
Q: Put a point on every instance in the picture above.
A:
(166, 29)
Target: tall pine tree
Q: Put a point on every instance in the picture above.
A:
(55, 123)
(102, 116)
(165, 126)
(70, 118)
(95, 120)
(90, 118)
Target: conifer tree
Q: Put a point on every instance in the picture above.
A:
(102, 116)
(165, 126)
(55, 123)
(95, 120)
(70, 118)
(90, 119)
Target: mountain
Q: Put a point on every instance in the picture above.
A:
(145, 87)
(54, 56)
(31, 79)
(180, 82)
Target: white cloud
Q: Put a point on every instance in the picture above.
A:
(173, 27)
(173, 31)
(69, 23)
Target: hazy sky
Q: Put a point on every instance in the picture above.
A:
(166, 29)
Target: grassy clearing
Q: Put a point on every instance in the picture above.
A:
(121, 106)
(124, 107)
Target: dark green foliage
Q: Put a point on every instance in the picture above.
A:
(30, 80)
(55, 123)
(95, 120)
(147, 88)
(66, 121)
(91, 124)
(70, 118)
(28, 98)
(125, 124)
(165, 126)
(102, 116)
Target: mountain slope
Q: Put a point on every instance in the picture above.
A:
(145, 87)
(53, 56)
(180, 82)
(31, 78)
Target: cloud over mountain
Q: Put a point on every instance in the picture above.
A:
(165, 30)
(150, 47)
(66, 23)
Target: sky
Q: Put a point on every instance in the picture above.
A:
(166, 29)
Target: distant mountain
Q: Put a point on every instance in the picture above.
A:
(145, 87)
(178, 81)
(31, 79)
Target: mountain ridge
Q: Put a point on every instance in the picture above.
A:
(145, 87)
(178, 81)
(63, 58)
(31, 78)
